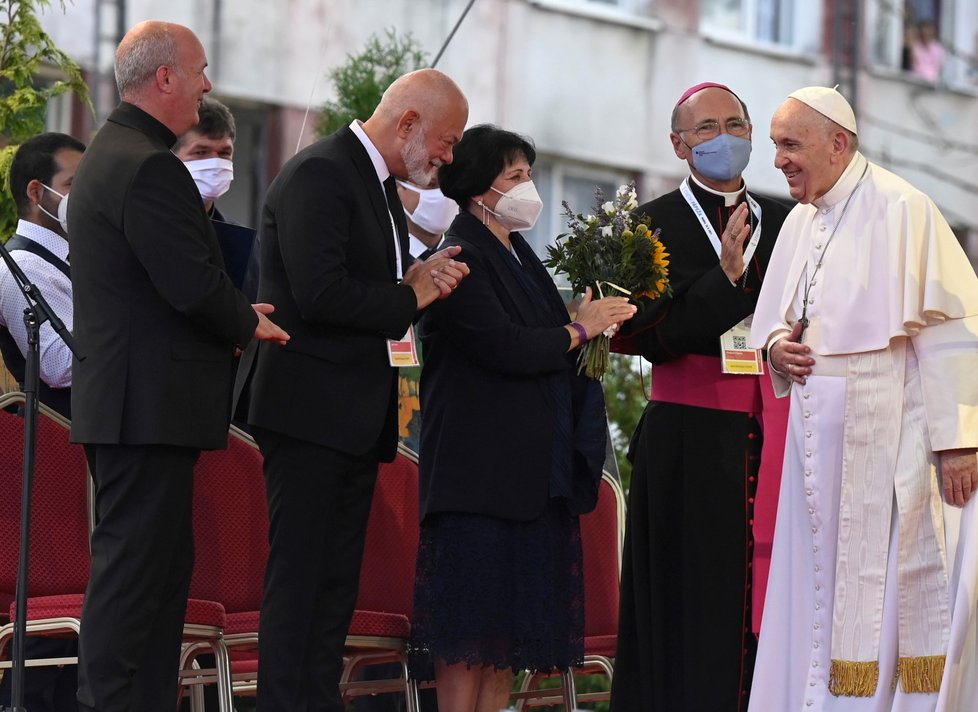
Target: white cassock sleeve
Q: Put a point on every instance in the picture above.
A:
(948, 356)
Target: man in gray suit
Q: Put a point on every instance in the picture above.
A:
(157, 321)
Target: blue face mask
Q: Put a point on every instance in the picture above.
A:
(723, 157)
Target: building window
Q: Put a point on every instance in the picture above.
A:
(557, 181)
(632, 7)
(935, 41)
(778, 23)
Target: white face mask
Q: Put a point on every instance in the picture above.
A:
(519, 207)
(213, 176)
(62, 216)
(435, 212)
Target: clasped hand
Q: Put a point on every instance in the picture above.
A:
(436, 277)
(607, 312)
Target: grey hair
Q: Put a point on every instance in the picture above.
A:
(141, 54)
(830, 127)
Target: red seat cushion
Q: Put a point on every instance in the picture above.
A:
(68, 605)
(601, 645)
(380, 624)
(210, 613)
(242, 622)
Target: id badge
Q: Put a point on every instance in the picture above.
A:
(403, 352)
(737, 357)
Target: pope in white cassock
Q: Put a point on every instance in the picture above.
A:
(869, 311)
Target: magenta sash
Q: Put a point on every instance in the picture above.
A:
(698, 381)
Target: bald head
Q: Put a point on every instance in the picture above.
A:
(419, 120)
(145, 47)
(427, 91)
(159, 67)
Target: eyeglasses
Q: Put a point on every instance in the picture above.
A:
(711, 129)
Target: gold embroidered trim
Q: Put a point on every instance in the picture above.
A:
(848, 678)
(921, 674)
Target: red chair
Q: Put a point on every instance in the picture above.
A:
(602, 539)
(230, 550)
(59, 553)
(381, 625)
(231, 545)
(61, 518)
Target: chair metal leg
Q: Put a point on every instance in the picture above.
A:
(569, 690)
(225, 695)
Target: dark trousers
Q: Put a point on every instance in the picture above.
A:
(142, 560)
(318, 504)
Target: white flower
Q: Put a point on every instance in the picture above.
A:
(632, 203)
(606, 231)
(623, 190)
(609, 208)
(591, 219)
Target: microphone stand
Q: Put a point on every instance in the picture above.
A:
(35, 314)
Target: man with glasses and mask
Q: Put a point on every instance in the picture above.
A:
(685, 637)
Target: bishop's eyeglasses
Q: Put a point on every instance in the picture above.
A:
(706, 130)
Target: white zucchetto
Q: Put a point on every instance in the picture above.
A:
(829, 103)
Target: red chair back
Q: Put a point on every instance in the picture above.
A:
(601, 539)
(387, 574)
(59, 553)
(230, 525)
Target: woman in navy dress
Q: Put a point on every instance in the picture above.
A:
(512, 444)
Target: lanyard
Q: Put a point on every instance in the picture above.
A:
(397, 247)
(809, 283)
(708, 228)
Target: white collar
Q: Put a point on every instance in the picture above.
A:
(729, 199)
(57, 245)
(844, 186)
(380, 165)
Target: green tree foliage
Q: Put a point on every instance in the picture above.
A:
(362, 80)
(626, 387)
(24, 50)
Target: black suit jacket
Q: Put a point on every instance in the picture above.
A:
(155, 314)
(494, 354)
(704, 304)
(328, 266)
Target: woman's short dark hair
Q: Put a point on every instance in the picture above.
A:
(482, 154)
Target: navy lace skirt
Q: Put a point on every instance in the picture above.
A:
(495, 592)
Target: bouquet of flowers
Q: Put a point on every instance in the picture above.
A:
(611, 250)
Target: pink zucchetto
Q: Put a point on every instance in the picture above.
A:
(829, 103)
(700, 87)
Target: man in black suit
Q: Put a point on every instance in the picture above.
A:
(334, 247)
(157, 321)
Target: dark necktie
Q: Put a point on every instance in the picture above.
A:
(394, 206)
